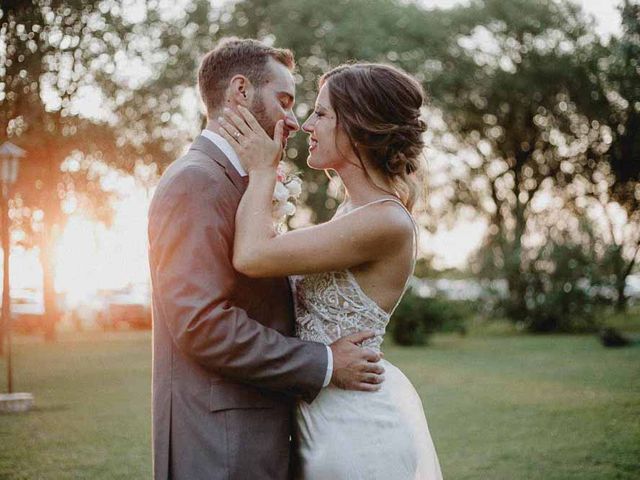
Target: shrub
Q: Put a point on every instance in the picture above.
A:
(558, 287)
(416, 318)
(565, 297)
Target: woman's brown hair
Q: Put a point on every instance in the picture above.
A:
(378, 107)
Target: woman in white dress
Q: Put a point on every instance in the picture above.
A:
(350, 272)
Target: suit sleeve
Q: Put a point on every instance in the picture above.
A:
(191, 225)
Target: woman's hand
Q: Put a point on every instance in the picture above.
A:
(256, 150)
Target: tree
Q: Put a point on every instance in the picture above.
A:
(140, 69)
(51, 50)
(392, 31)
(621, 78)
(516, 93)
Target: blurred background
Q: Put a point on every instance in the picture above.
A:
(530, 218)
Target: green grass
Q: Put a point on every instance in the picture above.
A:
(629, 321)
(92, 415)
(499, 407)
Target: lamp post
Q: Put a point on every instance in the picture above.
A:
(10, 156)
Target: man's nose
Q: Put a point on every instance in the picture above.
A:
(291, 122)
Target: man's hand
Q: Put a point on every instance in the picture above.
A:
(354, 367)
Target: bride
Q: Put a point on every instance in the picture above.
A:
(350, 272)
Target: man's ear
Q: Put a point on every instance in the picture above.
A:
(240, 91)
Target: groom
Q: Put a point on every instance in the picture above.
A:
(226, 367)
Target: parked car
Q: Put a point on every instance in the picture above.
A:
(86, 311)
(126, 306)
(27, 311)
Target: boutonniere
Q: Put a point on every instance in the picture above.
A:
(285, 195)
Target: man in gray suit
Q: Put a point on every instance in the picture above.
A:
(226, 367)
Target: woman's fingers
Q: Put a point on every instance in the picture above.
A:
(229, 132)
(238, 122)
(248, 117)
(245, 123)
(254, 147)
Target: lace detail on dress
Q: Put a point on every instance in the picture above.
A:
(331, 305)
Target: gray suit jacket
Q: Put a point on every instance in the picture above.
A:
(226, 367)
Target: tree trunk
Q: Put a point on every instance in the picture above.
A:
(621, 301)
(621, 280)
(51, 314)
(517, 307)
(515, 266)
(6, 298)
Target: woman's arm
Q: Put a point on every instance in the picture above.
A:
(353, 239)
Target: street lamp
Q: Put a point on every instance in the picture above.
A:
(10, 156)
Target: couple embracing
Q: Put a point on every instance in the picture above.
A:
(248, 381)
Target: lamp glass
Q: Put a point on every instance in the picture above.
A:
(8, 169)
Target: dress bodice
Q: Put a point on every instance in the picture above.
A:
(330, 305)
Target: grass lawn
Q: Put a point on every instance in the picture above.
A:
(499, 407)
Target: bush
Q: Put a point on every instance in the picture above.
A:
(416, 318)
(560, 287)
(565, 297)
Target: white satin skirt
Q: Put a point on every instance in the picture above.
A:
(347, 435)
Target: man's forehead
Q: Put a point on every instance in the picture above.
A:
(281, 80)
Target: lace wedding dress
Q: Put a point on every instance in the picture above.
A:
(349, 435)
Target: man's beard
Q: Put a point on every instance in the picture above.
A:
(260, 112)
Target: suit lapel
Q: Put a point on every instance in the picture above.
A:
(211, 150)
(206, 146)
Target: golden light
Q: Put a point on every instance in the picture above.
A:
(91, 257)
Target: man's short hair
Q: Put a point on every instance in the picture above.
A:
(236, 56)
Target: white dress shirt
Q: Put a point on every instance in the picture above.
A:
(227, 149)
(231, 154)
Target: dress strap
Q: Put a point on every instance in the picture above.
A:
(415, 240)
(415, 225)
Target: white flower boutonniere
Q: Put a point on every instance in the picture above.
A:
(285, 195)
